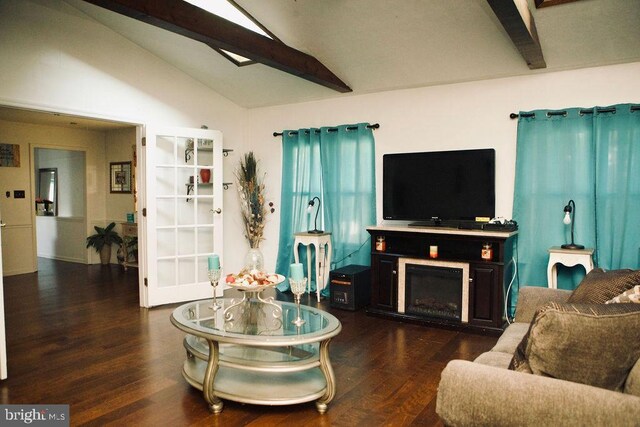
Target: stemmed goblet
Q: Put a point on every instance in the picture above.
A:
(298, 287)
(214, 278)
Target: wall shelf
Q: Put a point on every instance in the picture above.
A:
(190, 187)
(201, 145)
(189, 151)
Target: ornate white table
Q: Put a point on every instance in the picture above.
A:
(323, 257)
(568, 258)
(260, 356)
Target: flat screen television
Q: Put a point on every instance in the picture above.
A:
(439, 187)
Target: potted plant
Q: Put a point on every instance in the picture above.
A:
(102, 241)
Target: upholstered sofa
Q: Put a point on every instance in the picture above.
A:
(489, 392)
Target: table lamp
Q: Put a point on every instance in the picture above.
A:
(570, 209)
(315, 223)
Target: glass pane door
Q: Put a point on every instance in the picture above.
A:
(184, 205)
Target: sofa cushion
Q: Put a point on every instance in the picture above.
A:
(594, 344)
(632, 295)
(599, 286)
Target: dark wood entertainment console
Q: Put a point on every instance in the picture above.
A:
(488, 279)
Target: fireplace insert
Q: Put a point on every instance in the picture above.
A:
(433, 289)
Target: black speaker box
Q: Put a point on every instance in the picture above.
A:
(350, 287)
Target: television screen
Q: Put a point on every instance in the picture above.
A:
(440, 185)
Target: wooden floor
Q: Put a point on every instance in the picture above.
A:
(76, 335)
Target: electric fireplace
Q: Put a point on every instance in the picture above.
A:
(433, 289)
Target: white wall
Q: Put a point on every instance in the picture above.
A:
(460, 116)
(62, 237)
(55, 58)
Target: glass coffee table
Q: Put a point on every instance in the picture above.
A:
(253, 353)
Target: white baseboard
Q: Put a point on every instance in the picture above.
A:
(62, 258)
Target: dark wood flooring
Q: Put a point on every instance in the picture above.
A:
(76, 335)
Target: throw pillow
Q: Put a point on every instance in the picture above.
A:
(592, 344)
(599, 286)
(632, 295)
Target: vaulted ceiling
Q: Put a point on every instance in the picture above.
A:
(380, 45)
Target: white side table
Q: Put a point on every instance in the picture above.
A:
(569, 258)
(323, 257)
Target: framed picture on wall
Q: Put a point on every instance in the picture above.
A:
(120, 177)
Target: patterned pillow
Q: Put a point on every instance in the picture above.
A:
(600, 286)
(584, 343)
(632, 295)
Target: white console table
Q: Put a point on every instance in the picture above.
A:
(323, 257)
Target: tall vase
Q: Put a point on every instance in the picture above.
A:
(254, 260)
(205, 175)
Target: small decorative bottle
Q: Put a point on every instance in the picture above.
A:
(487, 252)
(381, 245)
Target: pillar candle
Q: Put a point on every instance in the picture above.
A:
(296, 272)
(433, 252)
(214, 262)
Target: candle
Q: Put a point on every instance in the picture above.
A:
(296, 272)
(433, 252)
(214, 262)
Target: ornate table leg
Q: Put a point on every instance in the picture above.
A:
(228, 316)
(327, 370)
(277, 311)
(215, 404)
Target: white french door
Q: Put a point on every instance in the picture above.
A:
(183, 222)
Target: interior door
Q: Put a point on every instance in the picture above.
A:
(182, 194)
(3, 337)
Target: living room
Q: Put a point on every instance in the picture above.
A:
(60, 69)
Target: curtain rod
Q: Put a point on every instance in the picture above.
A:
(581, 112)
(295, 132)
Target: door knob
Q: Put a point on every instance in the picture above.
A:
(2, 224)
(218, 211)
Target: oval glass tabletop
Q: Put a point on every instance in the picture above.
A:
(255, 321)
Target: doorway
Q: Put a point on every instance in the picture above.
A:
(60, 204)
(57, 134)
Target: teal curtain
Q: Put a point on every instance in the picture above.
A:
(593, 157)
(301, 180)
(336, 164)
(617, 204)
